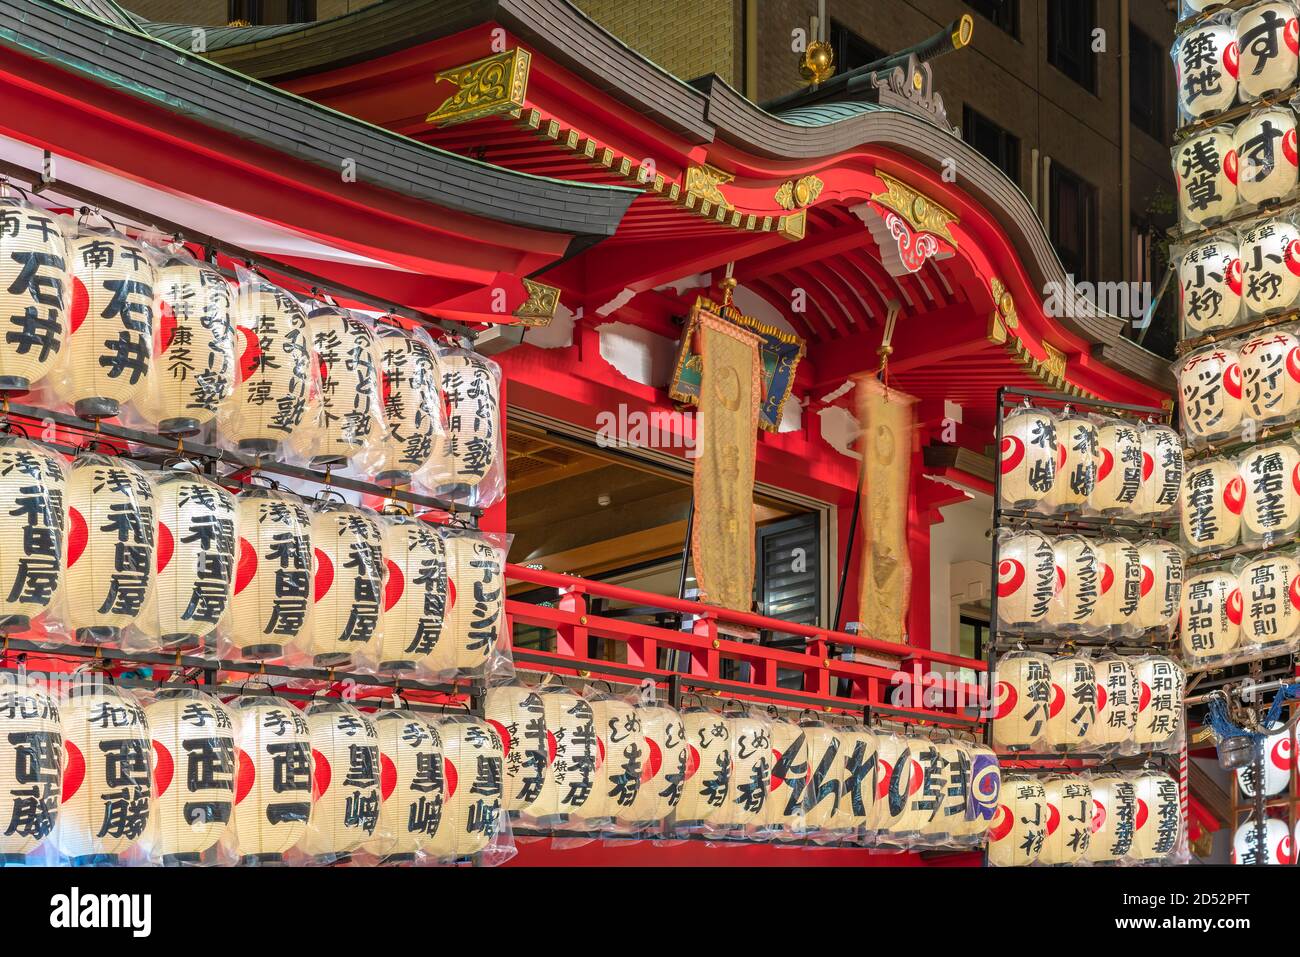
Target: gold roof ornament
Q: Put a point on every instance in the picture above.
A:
(922, 213)
(799, 192)
(493, 86)
(818, 62)
(539, 309)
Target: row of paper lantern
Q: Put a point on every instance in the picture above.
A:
(176, 777)
(1087, 819)
(1279, 843)
(1227, 389)
(1239, 275)
(603, 762)
(1251, 499)
(1071, 585)
(1239, 610)
(1079, 703)
(104, 321)
(1077, 463)
(101, 552)
(1234, 57)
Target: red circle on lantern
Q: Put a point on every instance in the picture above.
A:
(1013, 453)
(324, 574)
(395, 585)
(320, 775)
(387, 776)
(245, 775)
(166, 545)
(74, 772)
(164, 768)
(1011, 575)
(77, 535)
(80, 304)
(247, 565)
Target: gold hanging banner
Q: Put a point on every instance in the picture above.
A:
(886, 416)
(722, 538)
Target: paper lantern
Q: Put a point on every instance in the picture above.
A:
(1078, 577)
(752, 763)
(346, 615)
(1270, 377)
(1211, 613)
(193, 739)
(1079, 457)
(1206, 168)
(1209, 393)
(1279, 759)
(789, 786)
(110, 326)
(411, 783)
(347, 418)
(471, 447)
(1160, 701)
(31, 767)
(898, 778)
(194, 371)
(273, 781)
(34, 294)
(273, 579)
(1027, 580)
(1114, 815)
(826, 754)
(1029, 457)
(1022, 693)
(708, 767)
(1209, 283)
(475, 598)
(858, 785)
(195, 555)
(1162, 471)
(985, 792)
(1272, 509)
(411, 406)
(1018, 831)
(1265, 143)
(345, 781)
(948, 822)
(517, 714)
(1205, 66)
(575, 754)
(1072, 709)
(472, 806)
(1159, 823)
(1214, 493)
(107, 785)
(1267, 43)
(622, 759)
(1270, 266)
(1117, 702)
(33, 484)
(415, 592)
(1120, 591)
(1270, 593)
(1162, 584)
(1119, 473)
(270, 399)
(1276, 849)
(664, 773)
(1069, 820)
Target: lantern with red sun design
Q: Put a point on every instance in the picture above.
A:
(926, 786)
(411, 783)
(752, 763)
(663, 774)
(622, 757)
(825, 744)
(1078, 577)
(1270, 377)
(1265, 143)
(1029, 457)
(31, 766)
(1272, 510)
(574, 750)
(1270, 594)
(1211, 614)
(1161, 589)
(1022, 694)
(345, 782)
(1158, 827)
(1119, 565)
(1160, 685)
(1279, 759)
(1117, 702)
(272, 601)
(33, 526)
(1162, 471)
(1072, 707)
(1209, 394)
(415, 592)
(1027, 581)
(1209, 285)
(1276, 848)
(1205, 63)
(1078, 459)
(1268, 38)
(1119, 472)
(897, 780)
(273, 778)
(1114, 815)
(347, 616)
(347, 419)
(708, 768)
(1018, 830)
(1205, 166)
(1069, 820)
(1270, 267)
(472, 816)
(35, 293)
(1214, 494)
(516, 711)
(785, 797)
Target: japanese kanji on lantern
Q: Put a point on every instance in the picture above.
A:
(984, 794)
(1210, 613)
(347, 418)
(1279, 759)
(1276, 849)
(1119, 564)
(1267, 42)
(1270, 377)
(272, 595)
(826, 755)
(752, 763)
(623, 758)
(858, 784)
(35, 293)
(1119, 473)
(1162, 471)
(1270, 266)
(1270, 594)
(708, 768)
(273, 780)
(1022, 692)
(1078, 578)
(1117, 702)
(1114, 818)
(1265, 144)
(1018, 831)
(898, 778)
(31, 766)
(1161, 589)
(415, 591)
(194, 768)
(411, 782)
(466, 465)
(193, 371)
(1072, 707)
(926, 790)
(345, 782)
(783, 812)
(1209, 284)
(1160, 701)
(473, 814)
(1205, 69)
(1159, 824)
(1205, 166)
(952, 763)
(573, 747)
(107, 781)
(409, 402)
(33, 484)
(1272, 509)
(1027, 580)
(664, 772)
(1214, 494)
(1078, 459)
(1029, 457)
(517, 713)
(475, 599)
(346, 617)
(1069, 820)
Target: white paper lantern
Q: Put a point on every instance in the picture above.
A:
(411, 786)
(471, 388)
(948, 824)
(574, 752)
(1078, 579)
(785, 798)
(1162, 584)
(1120, 592)
(33, 484)
(1270, 377)
(1069, 820)
(1279, 759)
(984, 795)
(1205, 67)
(415, 592)
(475, 599)
(1214, 494)
(1162, 471)
(752, 762)
(1210, 283)
(928, 792)
(273, 781)
(347, 417)
(1267, 43)
(664, 771)
(1270, 592)
(35, 292)
(346, 617)
(273, 579)
(1270, 266)
(1160, 701)
(1272, 477)
(411, 406)
(1265, 142)
(1022, 694)
(345, 781)
(1079, 457)
(1206, 168)
(31, 766)
(895, 783)
(1119, 474)
(1114, 818)
(1211, 613)
(472, 809)
(518, 716)
(825, 780)
(1029, 457)
(1027, 580)
(1117, 702)
(1209, 393)
(1277, 848)
(1019, 828)
(1159, 822)
(708, 767)
(1072, 709)
(858, 785)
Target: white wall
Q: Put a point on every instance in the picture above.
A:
(960, 538)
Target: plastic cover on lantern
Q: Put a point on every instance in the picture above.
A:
(752, 764)
(1162, 471)
(467, 466)
(1205, 167)
(784, 809)
(346, 620)
(1270, 376)
(346, 800)
(1213, 497)
(1209, 393)
(857, 786)
(1028, 458)
(1270, 596)
(1266, 48)
(1078, 580)
(1270, 266)
(414, 599)
(895, 784)
(1160, 828)
(1117, 703)
(984, 794)
(32, 765)
(1265, 144)
(663, 771)
(474, 623)
(1278, 760)
(518, 714)
(1119, 562)
(1069, 819)
(1027, 580)
(1018, 830)
(1077, 462)
(273, 783)
(1022, 693)
(1072, 708)
(412, 791)
(1205, 66)
(1271, 513)
(574, 749)
(708, 769)
(33, 527)
(475, 824)
(826, 745)
(35, 292)
(1119, 472)
(1114, 819)
(1276, 847)
(623, 759)
(1209, 284)
(1163, 572)
(1160, 683)
(938, 803)
(1210, 616)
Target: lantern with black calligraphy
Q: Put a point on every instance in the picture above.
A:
(196, 557)
(410, 403)
(33, 527)
(194, 371)
(623, 758)
(107, 783)
(1162, 471)
(346, 618)
(1211, 613)
(1209, 285)
(1265, 143)
(273, 780)
(518, 715)
(1114, 817)
(1272, 510)
(783, 814)
(1162, 585)
(1160, 701)
(896, 782)
(1214, 494)
(1069, 820)
(574, 752)
(1078, 580)
(1029, 457)
(411, 783)
(925, 786)
(664, 772)
(31, 766)
(1117, 702)
(1079, 456)
(1270, 594)
(110, 325)
(1270, 267)
(1019, 827)
(345, 781)
(347, 418)
(475, 598)
(274, 371)
(1209, 394)
(1120, 592)
(35, 293)
(752, 764)
(1205, 166)
(415, 592)
(947, 820)
(1159, 821)
(1022, 693)
(273, 578)
(826, 752)
(984, 794)
(1279, 759)
(472, 813)
(1027, 580)
(858, 782)
(1268, 36)
(194, 769)
(1205, 66)
(469, 453)
(1270, 377)
(1119, 473)
(1275, 849)
(708, 768)
(112, 530)
(1072, 709)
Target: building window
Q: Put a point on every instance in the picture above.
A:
(851, 51)
(1147, 65)
(999, 146)
(1073, 215)
(1003, 14)
(973, 638)
(1070, 26)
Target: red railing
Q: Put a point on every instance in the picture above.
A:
(926, 681)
